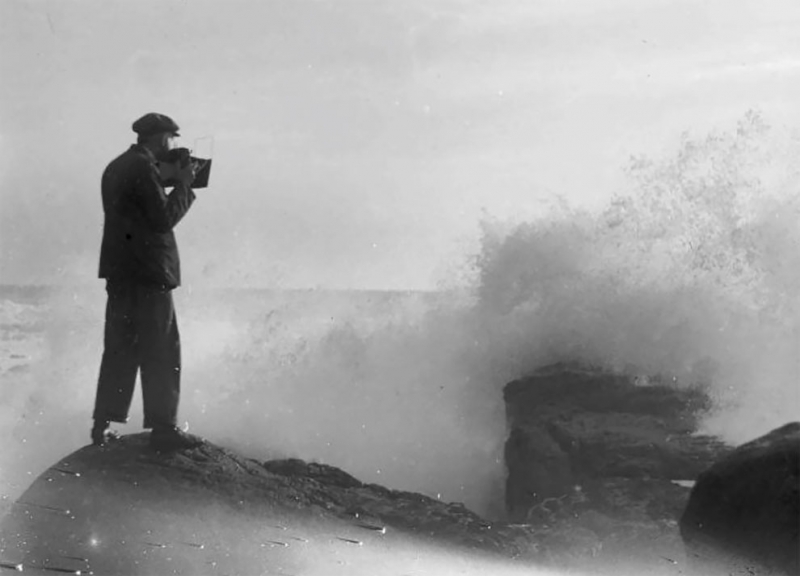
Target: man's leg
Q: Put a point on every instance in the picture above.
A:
(119, 364)
(159, 351)
(160, 360)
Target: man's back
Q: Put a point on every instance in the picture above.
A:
(138, 243)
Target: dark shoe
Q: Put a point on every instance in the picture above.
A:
(173, 439)
(101, 435)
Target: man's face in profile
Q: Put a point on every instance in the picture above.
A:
(164, 143)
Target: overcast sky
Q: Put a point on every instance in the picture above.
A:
(356, 141)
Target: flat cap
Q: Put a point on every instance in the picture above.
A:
(154, 123)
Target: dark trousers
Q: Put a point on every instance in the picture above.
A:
(141, 335)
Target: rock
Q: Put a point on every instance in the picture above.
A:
(538, 468)
(591, 453)
(743, 513)
(572, 427)
(329, 475)
(124, 509)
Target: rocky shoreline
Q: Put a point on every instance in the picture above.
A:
(599, 472)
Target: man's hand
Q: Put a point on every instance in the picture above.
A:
(187, 173)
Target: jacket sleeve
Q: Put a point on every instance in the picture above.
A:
(161, 211)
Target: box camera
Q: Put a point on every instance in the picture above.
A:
(180, 158)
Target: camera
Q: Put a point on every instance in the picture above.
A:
(180, 158)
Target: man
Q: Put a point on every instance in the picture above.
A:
(139, 261)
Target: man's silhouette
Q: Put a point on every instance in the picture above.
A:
(139, 261)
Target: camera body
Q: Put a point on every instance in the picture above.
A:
(180, 156)
(172, 160)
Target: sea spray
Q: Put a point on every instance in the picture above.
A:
(386, 396)
(691, 275)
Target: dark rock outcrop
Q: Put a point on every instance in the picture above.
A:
(603, 456)
(124, 509)
(576, 427)
(744, 511)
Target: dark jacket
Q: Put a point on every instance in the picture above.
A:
(138, 243)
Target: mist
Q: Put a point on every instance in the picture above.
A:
(691, 277)
(410, 207)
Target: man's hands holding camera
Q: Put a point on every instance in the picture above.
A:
(186, 174)
(178, 166)
(173, 173)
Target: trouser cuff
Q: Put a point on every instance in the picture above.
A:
(150, 423)
(110, 418)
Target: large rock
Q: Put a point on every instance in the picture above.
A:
(124, 509)
(743, 514)
(604, 461)
(578, 427)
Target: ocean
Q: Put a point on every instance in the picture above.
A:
(692, 274)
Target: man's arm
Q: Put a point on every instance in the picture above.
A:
(163, 211)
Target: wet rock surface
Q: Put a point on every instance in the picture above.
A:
(593, 461)
(599, 465)
(744, 511)
(116, 507)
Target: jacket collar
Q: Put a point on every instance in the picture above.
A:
(144, 151)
